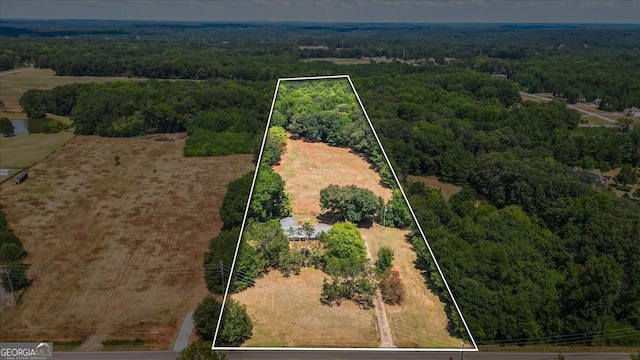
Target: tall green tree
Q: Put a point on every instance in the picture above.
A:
(349, 203)
(269, 200)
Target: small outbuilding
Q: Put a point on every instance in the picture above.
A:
(21, 178)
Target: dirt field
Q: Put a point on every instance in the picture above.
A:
(286, 312)
(309, 167)
(432, 181)
(116, 250)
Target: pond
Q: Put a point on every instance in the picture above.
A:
(28, 126)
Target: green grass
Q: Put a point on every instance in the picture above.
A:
(25, 150)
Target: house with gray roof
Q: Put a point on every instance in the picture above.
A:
(293, 229)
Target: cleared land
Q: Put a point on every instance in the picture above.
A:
(308, 167)
(420, 321)
(287, 311)
(432, 181)
(15, 82)
(116, 250)
(18, 152)
(366, 61)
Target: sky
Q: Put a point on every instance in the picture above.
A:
(416, 11)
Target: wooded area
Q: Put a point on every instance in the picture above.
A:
(550, 255)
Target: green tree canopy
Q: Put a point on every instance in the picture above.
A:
(349, 203)
(346, 251)
(269, 200)
(6, 127)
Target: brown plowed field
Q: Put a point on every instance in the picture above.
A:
(116, 250)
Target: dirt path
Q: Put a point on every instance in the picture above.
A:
(386, 340)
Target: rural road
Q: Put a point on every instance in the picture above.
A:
(587, 112)
(340, 355)
(182, 341)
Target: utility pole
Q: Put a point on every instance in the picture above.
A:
(8, 272)
(384, 218)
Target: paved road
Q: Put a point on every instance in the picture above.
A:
(342, 355)
(182, 341)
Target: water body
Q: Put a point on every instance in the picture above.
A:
(28, 126)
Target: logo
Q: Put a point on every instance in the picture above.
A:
(26, 351)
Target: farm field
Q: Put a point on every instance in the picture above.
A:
(16, 82)
(26, 150)
(302, 320)
(115, 250)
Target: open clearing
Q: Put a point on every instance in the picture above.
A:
(25, 150)
(420, 321)
(287, 311)
(116, 250)
(432, 181)
(13, 83)
(308, 167)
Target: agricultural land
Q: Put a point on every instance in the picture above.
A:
(115, 248)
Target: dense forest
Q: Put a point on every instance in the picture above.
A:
(535, 247)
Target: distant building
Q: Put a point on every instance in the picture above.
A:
(5, 172)
(500, 76)
(293, 229)
(632, 111)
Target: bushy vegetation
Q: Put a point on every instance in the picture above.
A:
(12, 254)
(235, 326)
(6, 127)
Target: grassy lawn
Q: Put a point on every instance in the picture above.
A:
(420, 320)
(286, 312)
(115, 250)
(26, 150)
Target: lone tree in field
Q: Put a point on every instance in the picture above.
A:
(349, 203)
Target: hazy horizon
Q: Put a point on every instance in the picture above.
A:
(332, 11)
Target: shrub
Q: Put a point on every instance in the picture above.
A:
(385, 257)
(391, 287)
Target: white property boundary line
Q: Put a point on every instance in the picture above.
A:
(413, 215)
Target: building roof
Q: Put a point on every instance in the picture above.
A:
(291, 228)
